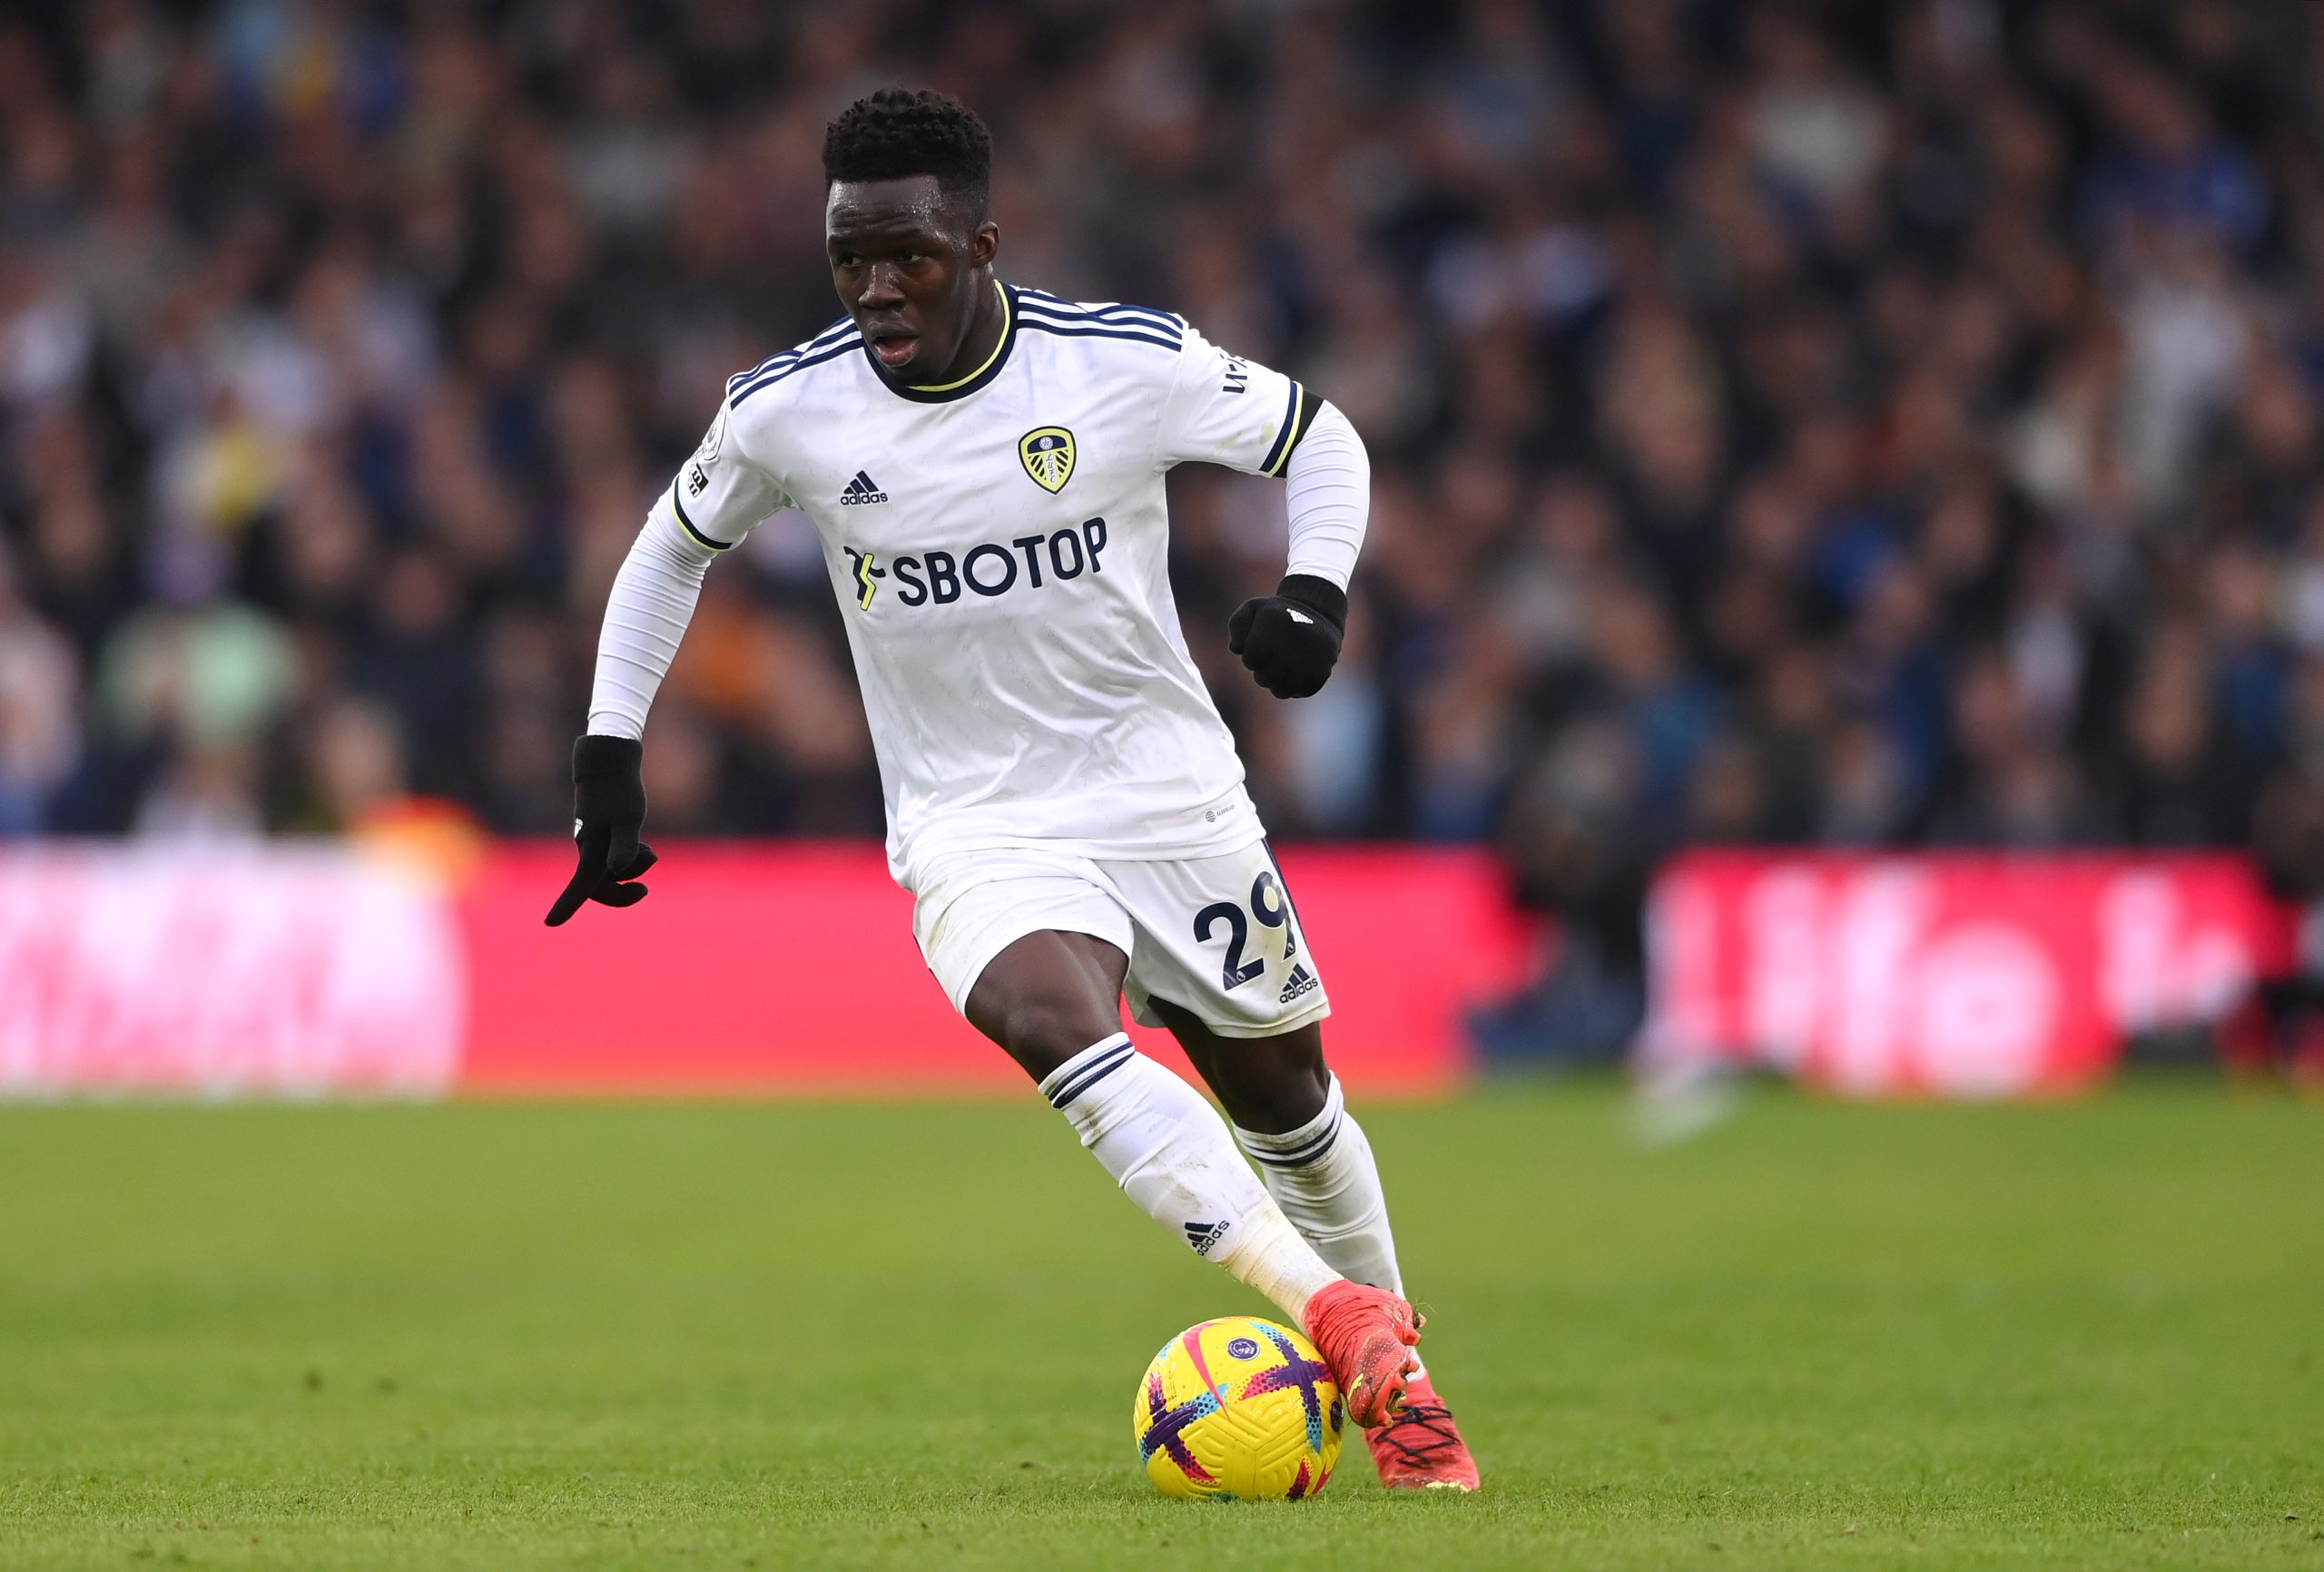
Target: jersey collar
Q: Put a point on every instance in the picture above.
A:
(944, 393)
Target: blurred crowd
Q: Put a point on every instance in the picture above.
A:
(1794, 423)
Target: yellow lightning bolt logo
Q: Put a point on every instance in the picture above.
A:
(865, 589)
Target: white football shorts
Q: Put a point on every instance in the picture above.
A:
(1215, 935)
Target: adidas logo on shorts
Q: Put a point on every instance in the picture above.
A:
(1302, 981)
(1203, 1236)
(861, 490)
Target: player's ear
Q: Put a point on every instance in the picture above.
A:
(984, 245)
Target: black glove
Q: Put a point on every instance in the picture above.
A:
(1290, 639)
(608, 811)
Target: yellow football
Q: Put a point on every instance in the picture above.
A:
(1238, 1409)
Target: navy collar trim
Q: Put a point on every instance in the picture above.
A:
(981, 378)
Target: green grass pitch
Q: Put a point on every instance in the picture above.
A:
(509, 1337)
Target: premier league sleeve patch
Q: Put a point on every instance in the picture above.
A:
(713, 439)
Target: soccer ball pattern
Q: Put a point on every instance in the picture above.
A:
(1237, 1408)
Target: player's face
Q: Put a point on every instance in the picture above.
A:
(911, 266)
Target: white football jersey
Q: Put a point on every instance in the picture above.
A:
(1000, 547)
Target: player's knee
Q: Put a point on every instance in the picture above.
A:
(1042, 1033)
(1276, 1083)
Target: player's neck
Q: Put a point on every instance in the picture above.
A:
(982, 341)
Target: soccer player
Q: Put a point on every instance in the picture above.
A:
(984, 463)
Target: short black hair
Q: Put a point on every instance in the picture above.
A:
(900, 131)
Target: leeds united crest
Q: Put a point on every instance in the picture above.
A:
(1047, 454)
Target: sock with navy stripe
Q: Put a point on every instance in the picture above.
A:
(1171, 1152)
(1324, 1179)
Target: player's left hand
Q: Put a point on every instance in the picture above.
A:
(1291, 638)
(608, 811)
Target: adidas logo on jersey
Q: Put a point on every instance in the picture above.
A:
(1203, 1236)
(861, 490)
(1303, 981)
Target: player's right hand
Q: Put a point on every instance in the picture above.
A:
(608, 813)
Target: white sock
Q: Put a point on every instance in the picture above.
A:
(1171, 1152)
(1323, 1176)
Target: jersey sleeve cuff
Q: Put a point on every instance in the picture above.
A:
(1299, 413)
(678, 510)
